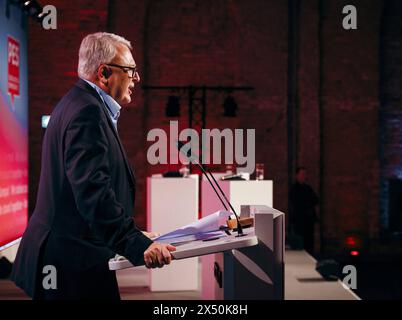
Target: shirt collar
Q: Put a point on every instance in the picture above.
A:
(111, 104)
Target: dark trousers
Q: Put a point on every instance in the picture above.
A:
(96, 283)
(308, 238)
(306, 231)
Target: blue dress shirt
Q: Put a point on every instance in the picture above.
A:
(112, 106)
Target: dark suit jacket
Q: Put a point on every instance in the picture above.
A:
(86, 193)
(303, 201)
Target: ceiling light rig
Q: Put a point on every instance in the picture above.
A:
(173, 106)
(197, 102)
(229, 107)
(197, 97)
(31, 8)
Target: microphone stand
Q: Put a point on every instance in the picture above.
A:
(205, 172)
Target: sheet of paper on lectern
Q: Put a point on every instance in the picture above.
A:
(201, 229)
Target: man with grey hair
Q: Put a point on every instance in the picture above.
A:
(83, 213)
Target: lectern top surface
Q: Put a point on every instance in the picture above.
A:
(200, 248)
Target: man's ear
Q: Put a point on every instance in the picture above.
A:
(104, 73)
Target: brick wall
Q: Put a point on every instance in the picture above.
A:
(350, 103)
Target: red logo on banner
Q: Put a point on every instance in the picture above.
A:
(13, 68)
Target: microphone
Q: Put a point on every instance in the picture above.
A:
(205, 171)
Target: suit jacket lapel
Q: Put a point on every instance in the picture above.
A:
(83, 85)
(111, 125)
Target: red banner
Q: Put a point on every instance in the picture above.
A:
(13, 68)
(13, 176)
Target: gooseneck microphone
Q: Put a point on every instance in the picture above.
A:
(205, 171)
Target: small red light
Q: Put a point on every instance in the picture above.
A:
(350, 241)
(354, 253)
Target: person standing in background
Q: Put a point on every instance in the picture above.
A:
(303, 201)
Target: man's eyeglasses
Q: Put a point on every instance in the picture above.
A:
(131, 71)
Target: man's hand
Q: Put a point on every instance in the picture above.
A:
(158, 254)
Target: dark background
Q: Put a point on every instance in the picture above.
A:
(324, 97)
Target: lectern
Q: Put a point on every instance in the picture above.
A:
(239, 193)
(255, 272)
(248, 267)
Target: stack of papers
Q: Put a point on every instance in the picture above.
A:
(203, 229)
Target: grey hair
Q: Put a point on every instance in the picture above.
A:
(95, 49)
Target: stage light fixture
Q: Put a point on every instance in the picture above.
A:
(230, 107)
(173, 106)
(32, 8)
(329, 269)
